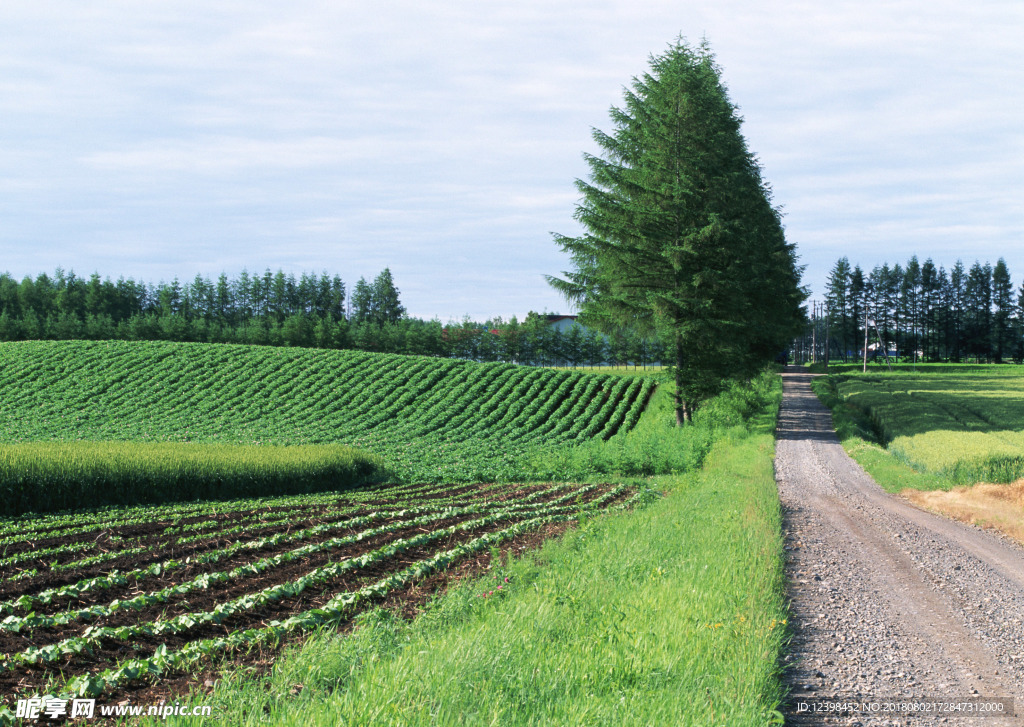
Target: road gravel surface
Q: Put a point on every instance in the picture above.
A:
(891, 606)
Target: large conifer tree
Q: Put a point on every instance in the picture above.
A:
(682, 239)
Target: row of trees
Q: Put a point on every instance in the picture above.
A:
(271, 297)
(282, 310)
(925, 312)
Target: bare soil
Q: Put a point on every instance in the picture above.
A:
(888, 602)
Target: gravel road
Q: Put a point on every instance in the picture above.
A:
(888, 602)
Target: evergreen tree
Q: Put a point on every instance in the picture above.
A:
(978, 310)
(910, 288)
(362, 302)
(957, 294)
(243, 297)
(1002, 316)
(1018, 327)
(386, 306)
(223, 305)
(858, 301)
(682, 239)
(943, 335)
(929, 293)
(837, 301)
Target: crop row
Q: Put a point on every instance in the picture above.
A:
(497, 515)
(429, 502)
(207, 580)
(419, 516)
(110, 389)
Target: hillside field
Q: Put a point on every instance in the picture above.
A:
(431, 419)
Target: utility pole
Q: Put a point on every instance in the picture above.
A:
(865, 337)
(814, 332)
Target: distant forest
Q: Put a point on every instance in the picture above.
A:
(924, 312)
(278, 309)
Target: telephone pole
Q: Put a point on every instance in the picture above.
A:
(865, 337)
(814, 332)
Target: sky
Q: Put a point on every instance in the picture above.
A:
(162, 139)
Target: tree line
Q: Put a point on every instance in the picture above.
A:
(924, 312)
(279, 309)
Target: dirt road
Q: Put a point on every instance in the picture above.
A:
(889, 603)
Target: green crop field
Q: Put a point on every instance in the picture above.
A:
(431, 419)
(288, 492)
(962, 424)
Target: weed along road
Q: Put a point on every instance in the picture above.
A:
(899, 615)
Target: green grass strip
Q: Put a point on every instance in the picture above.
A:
(47, 476)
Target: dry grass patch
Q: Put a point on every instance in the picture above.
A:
(1000, 507)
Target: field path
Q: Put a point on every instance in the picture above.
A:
(887, 601)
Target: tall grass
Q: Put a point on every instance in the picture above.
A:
(47, 476)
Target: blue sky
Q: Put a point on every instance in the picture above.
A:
(164, 139)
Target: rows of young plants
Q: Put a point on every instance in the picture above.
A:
(200, 581)
(431, 419)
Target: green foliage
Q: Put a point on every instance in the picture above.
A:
(377, 303)
(674, 614)
(682, 239)
(656, 446)
(48, 476)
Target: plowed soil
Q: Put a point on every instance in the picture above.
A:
(161, 547)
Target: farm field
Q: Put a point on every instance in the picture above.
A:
(121, 602)
(673, 614)
(950, 438)
(965, 424)
(439, 420)
(95, 600)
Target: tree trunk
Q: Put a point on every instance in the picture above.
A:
(683, 414)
